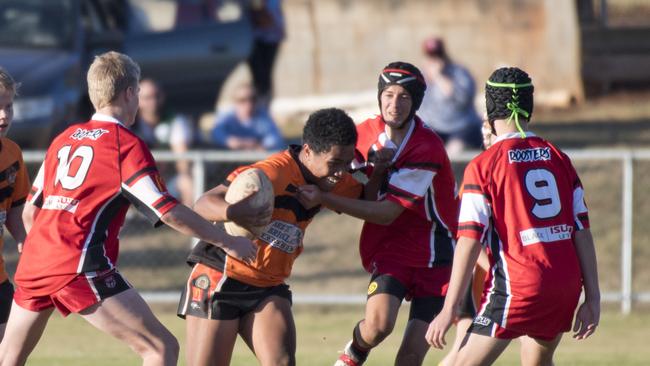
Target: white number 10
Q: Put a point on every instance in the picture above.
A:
(65, 160)
(541, 185)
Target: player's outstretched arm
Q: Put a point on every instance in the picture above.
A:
(212, 206)
(465, 256)
(588, 313)
(378, 212)
(188, 222)
(14, 224)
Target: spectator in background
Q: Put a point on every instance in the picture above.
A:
(195, 12)
(160, 128)
(248, 126)
(268, 33)
(448, 104)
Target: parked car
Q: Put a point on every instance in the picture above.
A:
(47, 46)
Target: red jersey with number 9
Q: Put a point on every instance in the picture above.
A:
(91, 172)
(523, 199)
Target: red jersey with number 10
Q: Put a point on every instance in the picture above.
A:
(524, 200)
(91, 172)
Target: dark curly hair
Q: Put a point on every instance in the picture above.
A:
(500, 100)
(329, 127)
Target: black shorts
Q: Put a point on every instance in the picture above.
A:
(6, 298)
(209, 294)
(422, 308)
(467, 308)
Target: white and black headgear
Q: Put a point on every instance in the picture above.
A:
(407, 76)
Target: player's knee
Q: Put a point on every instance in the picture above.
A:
(163, 347)
(378, 329)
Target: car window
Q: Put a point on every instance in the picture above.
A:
(166, 15)
(37, 23)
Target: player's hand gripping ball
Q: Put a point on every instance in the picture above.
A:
(254, 182)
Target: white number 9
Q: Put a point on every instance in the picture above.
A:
(542, 186)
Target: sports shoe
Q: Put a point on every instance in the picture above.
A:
(349, 357)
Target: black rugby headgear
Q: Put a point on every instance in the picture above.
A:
(509, 94)
(407, 76)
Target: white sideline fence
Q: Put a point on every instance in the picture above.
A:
(625, 296)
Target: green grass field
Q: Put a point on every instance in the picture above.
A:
(322, 331)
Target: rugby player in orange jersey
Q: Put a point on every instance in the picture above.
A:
(224, 296)
(14, 187)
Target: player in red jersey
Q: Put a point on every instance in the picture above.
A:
(524, 200)
(407, 241)
(14, 187)
(91, 173)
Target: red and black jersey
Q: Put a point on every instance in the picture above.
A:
(420, 180)
(91, 172)
(523, 199)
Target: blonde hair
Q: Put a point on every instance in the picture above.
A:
(7, 83)
(110, 74)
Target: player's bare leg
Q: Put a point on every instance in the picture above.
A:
(270, 332)
(480, 350)
(414, 346)
(128, 318)
(24, 329)
(461, 331)
(2, 330)
(379, 321)
(537, 352)
(209, 342)
(380, 317)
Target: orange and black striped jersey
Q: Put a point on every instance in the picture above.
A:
(14, 187)
(282, 240)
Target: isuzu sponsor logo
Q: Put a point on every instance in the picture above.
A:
(529, 155)
(547, 234)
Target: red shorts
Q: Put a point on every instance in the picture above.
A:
(417, 281)
(82, 292)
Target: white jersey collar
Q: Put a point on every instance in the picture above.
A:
(405, 141)
(105, 118)
(512, 135)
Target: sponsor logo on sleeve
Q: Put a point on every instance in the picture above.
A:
(529, 155)
(547, 234)
(283, 236)
(94, 134)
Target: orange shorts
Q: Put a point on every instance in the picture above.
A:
(82, 292)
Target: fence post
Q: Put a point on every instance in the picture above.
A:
(626, 248)
(198, 173)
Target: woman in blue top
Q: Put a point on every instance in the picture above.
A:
(246, 126)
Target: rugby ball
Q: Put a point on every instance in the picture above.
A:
(244, 184)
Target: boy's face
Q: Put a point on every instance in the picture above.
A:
(6, 111)
(328, 167)
(396, 105)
